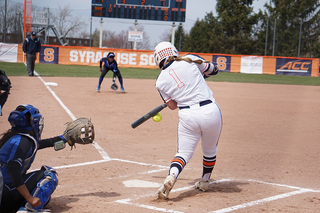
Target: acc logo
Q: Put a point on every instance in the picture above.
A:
(289, 66)
(295, 66)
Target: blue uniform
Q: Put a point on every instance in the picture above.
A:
(110, 66)
(10, 154)
(16, 156)
(113, 66)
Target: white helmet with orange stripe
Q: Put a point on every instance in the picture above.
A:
(163, 51)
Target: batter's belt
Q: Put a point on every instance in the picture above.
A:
(202, 103)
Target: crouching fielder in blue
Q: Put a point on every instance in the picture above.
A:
(20, 190)
(110, 64)
(182, 85)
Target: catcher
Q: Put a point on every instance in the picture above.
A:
(30, 192)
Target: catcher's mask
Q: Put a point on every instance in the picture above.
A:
(163, 51)
(26, 118)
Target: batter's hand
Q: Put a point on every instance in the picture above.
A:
(100, 69)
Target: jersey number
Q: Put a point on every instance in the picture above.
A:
(173, 74)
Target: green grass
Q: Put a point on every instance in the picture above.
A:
(19, 69)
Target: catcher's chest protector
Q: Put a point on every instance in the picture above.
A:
(30, 159)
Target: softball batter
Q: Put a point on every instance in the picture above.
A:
(182, 85)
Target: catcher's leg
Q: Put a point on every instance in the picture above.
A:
(45, 188)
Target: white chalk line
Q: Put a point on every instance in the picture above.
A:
(106, 158)
(115, 159)
(103, 153)
(144, 164)
(127, 201)
(258, 202)
(228, 209)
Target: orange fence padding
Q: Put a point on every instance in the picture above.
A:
(90, 56)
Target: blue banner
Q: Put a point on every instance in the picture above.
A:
(49, 55)
(287, 66)
(223, 62)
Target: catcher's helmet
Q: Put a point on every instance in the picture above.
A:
(163, 51)
(26, 118)
(5, 83)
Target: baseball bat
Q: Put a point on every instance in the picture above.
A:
(148, 115)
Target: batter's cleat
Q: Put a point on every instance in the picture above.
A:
(98, 89)
(202, 185)
(122, 89)
(166, 187)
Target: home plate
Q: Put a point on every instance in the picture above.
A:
(51, 84)
(141, 183)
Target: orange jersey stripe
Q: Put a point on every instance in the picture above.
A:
(167, 100)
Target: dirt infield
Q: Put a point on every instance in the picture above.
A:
(268, 154)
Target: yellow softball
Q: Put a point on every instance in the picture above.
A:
(157, 117)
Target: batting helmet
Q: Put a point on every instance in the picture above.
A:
(5, 83)
(163, 51)
(26, 118)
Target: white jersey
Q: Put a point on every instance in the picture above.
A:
(186, 89)
(199, 118)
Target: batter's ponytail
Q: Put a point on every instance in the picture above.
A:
(189, 60)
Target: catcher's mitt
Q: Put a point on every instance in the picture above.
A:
(114, 86)
(79, 131)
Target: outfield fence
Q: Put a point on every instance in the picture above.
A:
(90, 56)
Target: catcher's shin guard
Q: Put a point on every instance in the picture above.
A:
(45, 188)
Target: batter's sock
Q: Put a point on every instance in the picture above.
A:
(174, 171)
(121, 83)
(177, 165)
(208, 165)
